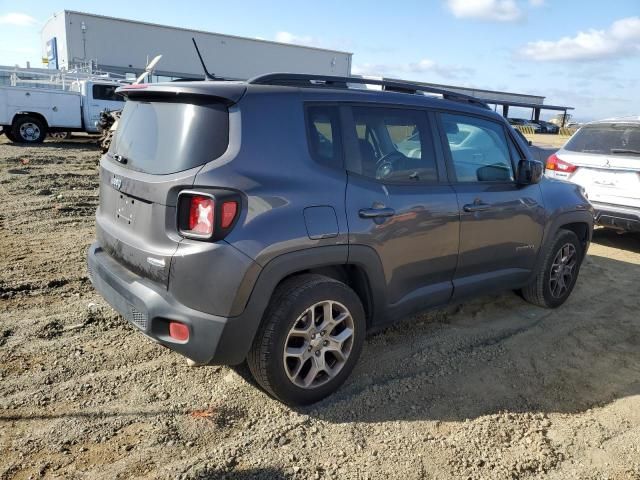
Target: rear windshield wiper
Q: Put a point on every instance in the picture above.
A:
(121, 159)
(625, 150)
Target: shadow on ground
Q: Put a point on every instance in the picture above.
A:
(502, 354)
(80, 143)
(253, 474)
(629, 241)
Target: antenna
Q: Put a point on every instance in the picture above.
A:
(208, 75)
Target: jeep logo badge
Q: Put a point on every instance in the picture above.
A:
(116, 182)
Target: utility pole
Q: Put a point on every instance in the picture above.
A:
(83, 27)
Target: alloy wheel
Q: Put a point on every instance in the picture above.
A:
(563, 270)
(319, 344)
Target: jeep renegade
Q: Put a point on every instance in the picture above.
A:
(276, 221)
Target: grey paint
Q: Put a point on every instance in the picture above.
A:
(321, 222)
(297, 214)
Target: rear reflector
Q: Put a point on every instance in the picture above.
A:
(555, 163)
(178, 331)
(229, 210)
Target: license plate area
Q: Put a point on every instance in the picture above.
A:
(125, 209)
(608, 179)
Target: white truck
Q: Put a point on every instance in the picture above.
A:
(28, 111)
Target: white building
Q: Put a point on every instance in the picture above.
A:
(122, 46)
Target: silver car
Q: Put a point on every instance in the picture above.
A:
(604, 158)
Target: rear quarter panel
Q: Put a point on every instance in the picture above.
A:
(268, 161)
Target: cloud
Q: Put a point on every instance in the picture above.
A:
(536, 3)
(424, 66)
(491, 10)
(286, 37)
(621, 38)
(17, 19)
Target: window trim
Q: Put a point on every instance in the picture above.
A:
(350, 137)
(339, 162)
(453, 179)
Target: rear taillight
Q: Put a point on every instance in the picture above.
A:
(558, 165)
(201, 215)
(207, 216)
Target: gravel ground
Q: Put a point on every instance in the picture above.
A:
(494, 388)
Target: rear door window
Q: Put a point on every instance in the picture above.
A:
(167, 137)
(323, 130)
(395, 144)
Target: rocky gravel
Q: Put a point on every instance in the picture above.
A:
(491, 389)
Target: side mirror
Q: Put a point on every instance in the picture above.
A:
(529, 172)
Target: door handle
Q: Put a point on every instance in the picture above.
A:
(376, 212)
(476, 207)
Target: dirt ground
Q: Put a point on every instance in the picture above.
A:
(495, 388)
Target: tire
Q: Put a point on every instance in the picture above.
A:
(28, 129)
(9, 135)
(553, 285)
(322, 362)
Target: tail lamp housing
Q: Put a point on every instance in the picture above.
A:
(555, 164)
(207, 215)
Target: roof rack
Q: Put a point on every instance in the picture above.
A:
(308, 80)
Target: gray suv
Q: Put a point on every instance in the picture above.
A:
(277, 221)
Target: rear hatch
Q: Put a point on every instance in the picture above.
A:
(606, 157)
(165, 135)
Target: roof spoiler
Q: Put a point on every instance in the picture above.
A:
(225, 92)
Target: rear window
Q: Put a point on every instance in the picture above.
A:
(323, 127)
(166, 137)
(606, 139)
(106, 92)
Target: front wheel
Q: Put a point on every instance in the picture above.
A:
(309, 341)
(29, 130)
(558, 273)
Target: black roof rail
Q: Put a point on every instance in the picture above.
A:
(329, 81)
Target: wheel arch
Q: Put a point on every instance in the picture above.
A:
(578, 221)
(359, 267)
(24, 113)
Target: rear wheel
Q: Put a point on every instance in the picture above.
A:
(7, 132)
(558, 273)
(310, 339)
(28, 129)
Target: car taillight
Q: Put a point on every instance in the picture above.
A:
(555, 163)
(207, 216)
(201, 215)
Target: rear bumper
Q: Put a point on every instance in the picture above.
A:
(149, 307)
(619, 217)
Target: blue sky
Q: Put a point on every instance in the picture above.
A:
(580, 53)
